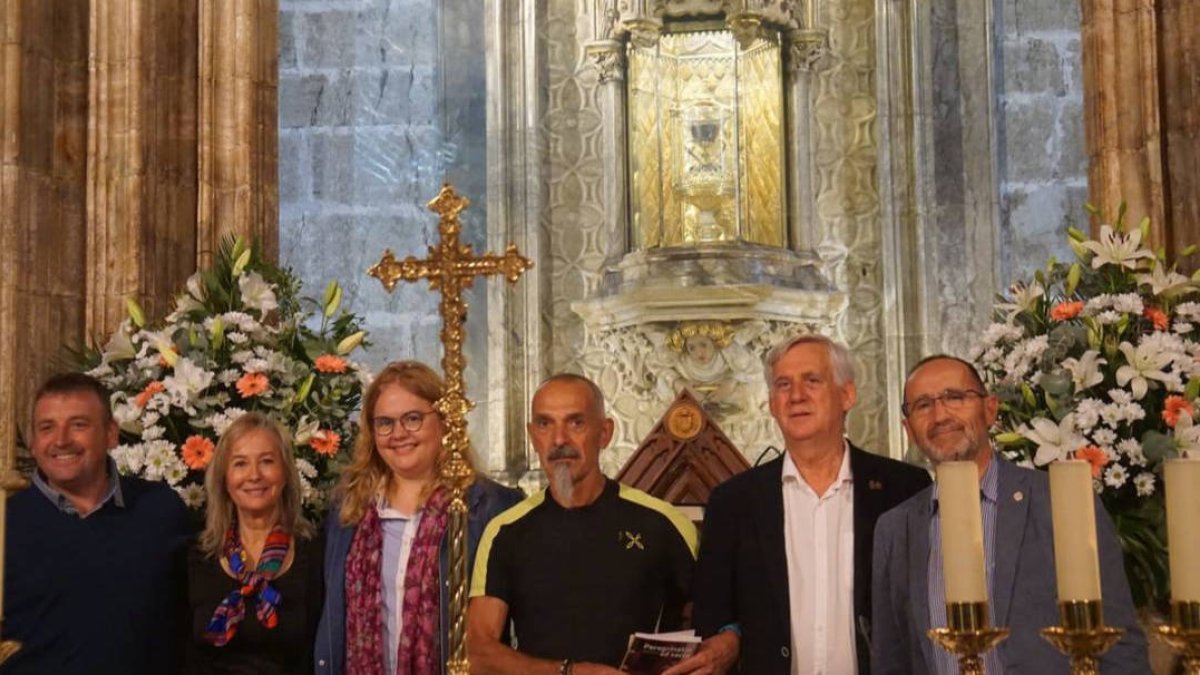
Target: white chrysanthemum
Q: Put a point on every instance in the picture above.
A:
(220, 421)
(129, 458)
(237, 338)
(1104, 436)
(151, 418)
(126, 414)
(1001, 333)
(160, 459)
(1144, 482)
(1115, 476)
(1188, 310)
(1120, 396)
(240, 357)
(257, 293)
(1108, 317)
(1187, 435)
(153, 433)
(1132, 450)
(1130, 303)
(228, 376)
(305, 468)
(176, 472)
(1182, 327)
(1087, 413)
(192, 494)
(256, 366)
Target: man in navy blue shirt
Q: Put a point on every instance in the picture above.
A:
(94, 569)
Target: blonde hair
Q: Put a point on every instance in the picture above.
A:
(222, 512)
(368, 474)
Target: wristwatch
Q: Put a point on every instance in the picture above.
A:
(565, 667)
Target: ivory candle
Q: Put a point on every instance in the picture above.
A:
(1074, 516)
(962, 532)
(1183, 527)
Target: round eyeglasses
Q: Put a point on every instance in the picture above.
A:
(410, 421)
(953, 399)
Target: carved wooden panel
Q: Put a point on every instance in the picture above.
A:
(684, 457)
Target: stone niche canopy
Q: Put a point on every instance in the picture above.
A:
(711, 234)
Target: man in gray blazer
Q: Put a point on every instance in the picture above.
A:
(948, 413)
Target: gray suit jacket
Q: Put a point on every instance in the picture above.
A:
(1025, 593)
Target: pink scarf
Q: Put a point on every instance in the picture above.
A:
(420, 636)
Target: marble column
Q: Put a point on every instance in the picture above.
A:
(1180, 48)
(239, 127)
(1122, 110)
(141, 157)
(43, 122)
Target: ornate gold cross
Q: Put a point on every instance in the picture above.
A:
(450, 267)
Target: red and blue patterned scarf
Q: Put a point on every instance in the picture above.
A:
(420, 635)
(251, 583)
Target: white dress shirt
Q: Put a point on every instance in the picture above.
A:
(819, 539)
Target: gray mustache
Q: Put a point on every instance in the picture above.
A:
(563, 452)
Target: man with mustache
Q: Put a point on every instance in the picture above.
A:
(947, 413)
(783, 580)
(580, 566)
(94, 569)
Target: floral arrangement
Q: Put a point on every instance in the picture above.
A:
(1099, 359)
(240, 338)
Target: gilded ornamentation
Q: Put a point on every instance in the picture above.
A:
(609, 58)
(806, 49)
(450, 268)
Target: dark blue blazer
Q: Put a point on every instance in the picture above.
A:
(1024, 589)
(741, 574)
(485, 500)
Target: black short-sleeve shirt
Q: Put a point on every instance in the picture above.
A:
(579, 581)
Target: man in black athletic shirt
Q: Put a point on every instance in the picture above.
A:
(579, 566)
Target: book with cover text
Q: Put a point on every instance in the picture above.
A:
(652, 653)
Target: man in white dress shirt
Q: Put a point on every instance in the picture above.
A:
(783, 580)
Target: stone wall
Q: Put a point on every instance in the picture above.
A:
(379, 102)
(1043, 159)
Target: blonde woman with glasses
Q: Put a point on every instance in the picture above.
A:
(386, 554)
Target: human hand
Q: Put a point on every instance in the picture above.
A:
(716, 655)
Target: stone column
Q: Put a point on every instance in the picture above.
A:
(141, 156)
(1180, 48)
(1122, 109)
(43, 102)
(608, 56)
(239, 126)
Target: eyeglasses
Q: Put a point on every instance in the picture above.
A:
(953, 399)
(411, 422)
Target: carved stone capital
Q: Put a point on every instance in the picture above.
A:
(609, 58)
(806, 49)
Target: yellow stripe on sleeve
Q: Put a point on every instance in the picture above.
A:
(508, 517)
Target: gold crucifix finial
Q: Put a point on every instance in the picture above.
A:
(450, 267)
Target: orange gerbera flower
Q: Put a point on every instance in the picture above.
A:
(328, 363)
(197, 452)
(1065, 311)
(252, 384)
(1176, 405)
(1156, 316)
(1095, 456)
(325, 442)
(150, 390)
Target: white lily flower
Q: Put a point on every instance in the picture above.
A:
(1145, 362)
(1165, 283)
(1187, 436)
(187, 380)
(1024, 299)
(1116, 248)
(1085, 371)
(1054, 441)
(257, 293)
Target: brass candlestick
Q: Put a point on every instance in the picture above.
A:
(1183, 634)
(968, 635)
(1083, 637)
(10, 481)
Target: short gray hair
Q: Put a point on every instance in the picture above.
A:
(839, 357)
(592, 387)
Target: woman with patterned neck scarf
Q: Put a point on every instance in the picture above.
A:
(386, 558)
(255, 579)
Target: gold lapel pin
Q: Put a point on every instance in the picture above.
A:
(1018, 496)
